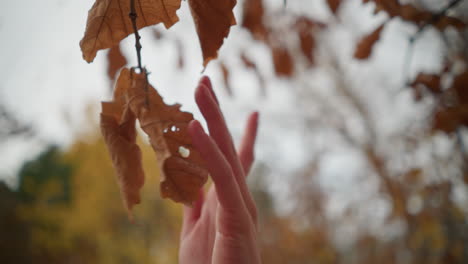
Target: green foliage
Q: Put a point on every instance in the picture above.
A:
(47, 171)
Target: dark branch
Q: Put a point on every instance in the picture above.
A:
(433, 20)
(133, 16)
(436, 17)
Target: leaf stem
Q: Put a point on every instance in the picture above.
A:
(133, 16)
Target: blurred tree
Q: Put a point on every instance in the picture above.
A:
(70, 203)
(14, 232)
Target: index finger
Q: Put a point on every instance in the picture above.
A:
(227, 190)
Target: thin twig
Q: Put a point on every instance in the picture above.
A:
(434, 19)
(133, 16)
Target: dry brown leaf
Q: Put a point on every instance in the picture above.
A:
(334, 5)
(430, 81)
(365, 45)
(108, 22)
(226, 75)
(213, 20)
(449, 119)
(283, 61)
(460, 86)
(410, 13)
(252, 19)
(118, 130)
(115, 61)
(182, 169)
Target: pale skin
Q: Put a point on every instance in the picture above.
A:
(221, 226)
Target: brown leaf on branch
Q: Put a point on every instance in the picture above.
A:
(108, 22)
(115, 61)
(118, 130)
(410, 13)
(213, 20)
(182, 169)
(365, 45)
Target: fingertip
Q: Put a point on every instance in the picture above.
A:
(195, 128)
(253, 121)
(206, 81)
(255, 116)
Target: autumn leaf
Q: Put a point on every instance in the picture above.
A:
(226, 76)
(213, 19)
(282, 61)
(450, 118)
(410, 13)
(252, 19)
(334, 5)
(430, 81)
(460, 86)
(365, 45)
(115, 61)
(118, 129)
(182, 168)
(108, 22)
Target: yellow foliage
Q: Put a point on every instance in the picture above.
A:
(95, 223)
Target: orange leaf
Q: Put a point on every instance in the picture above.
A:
(115, 61)
(118, 130)
(364, 47)
(108, 22)
(182, 168)
(213, 19)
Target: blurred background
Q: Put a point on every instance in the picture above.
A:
(361, 153)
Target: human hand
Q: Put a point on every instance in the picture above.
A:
(221, 227)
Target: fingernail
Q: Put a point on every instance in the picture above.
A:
(256, 116)
(207, 92)
(205, 80)
(195, 128)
